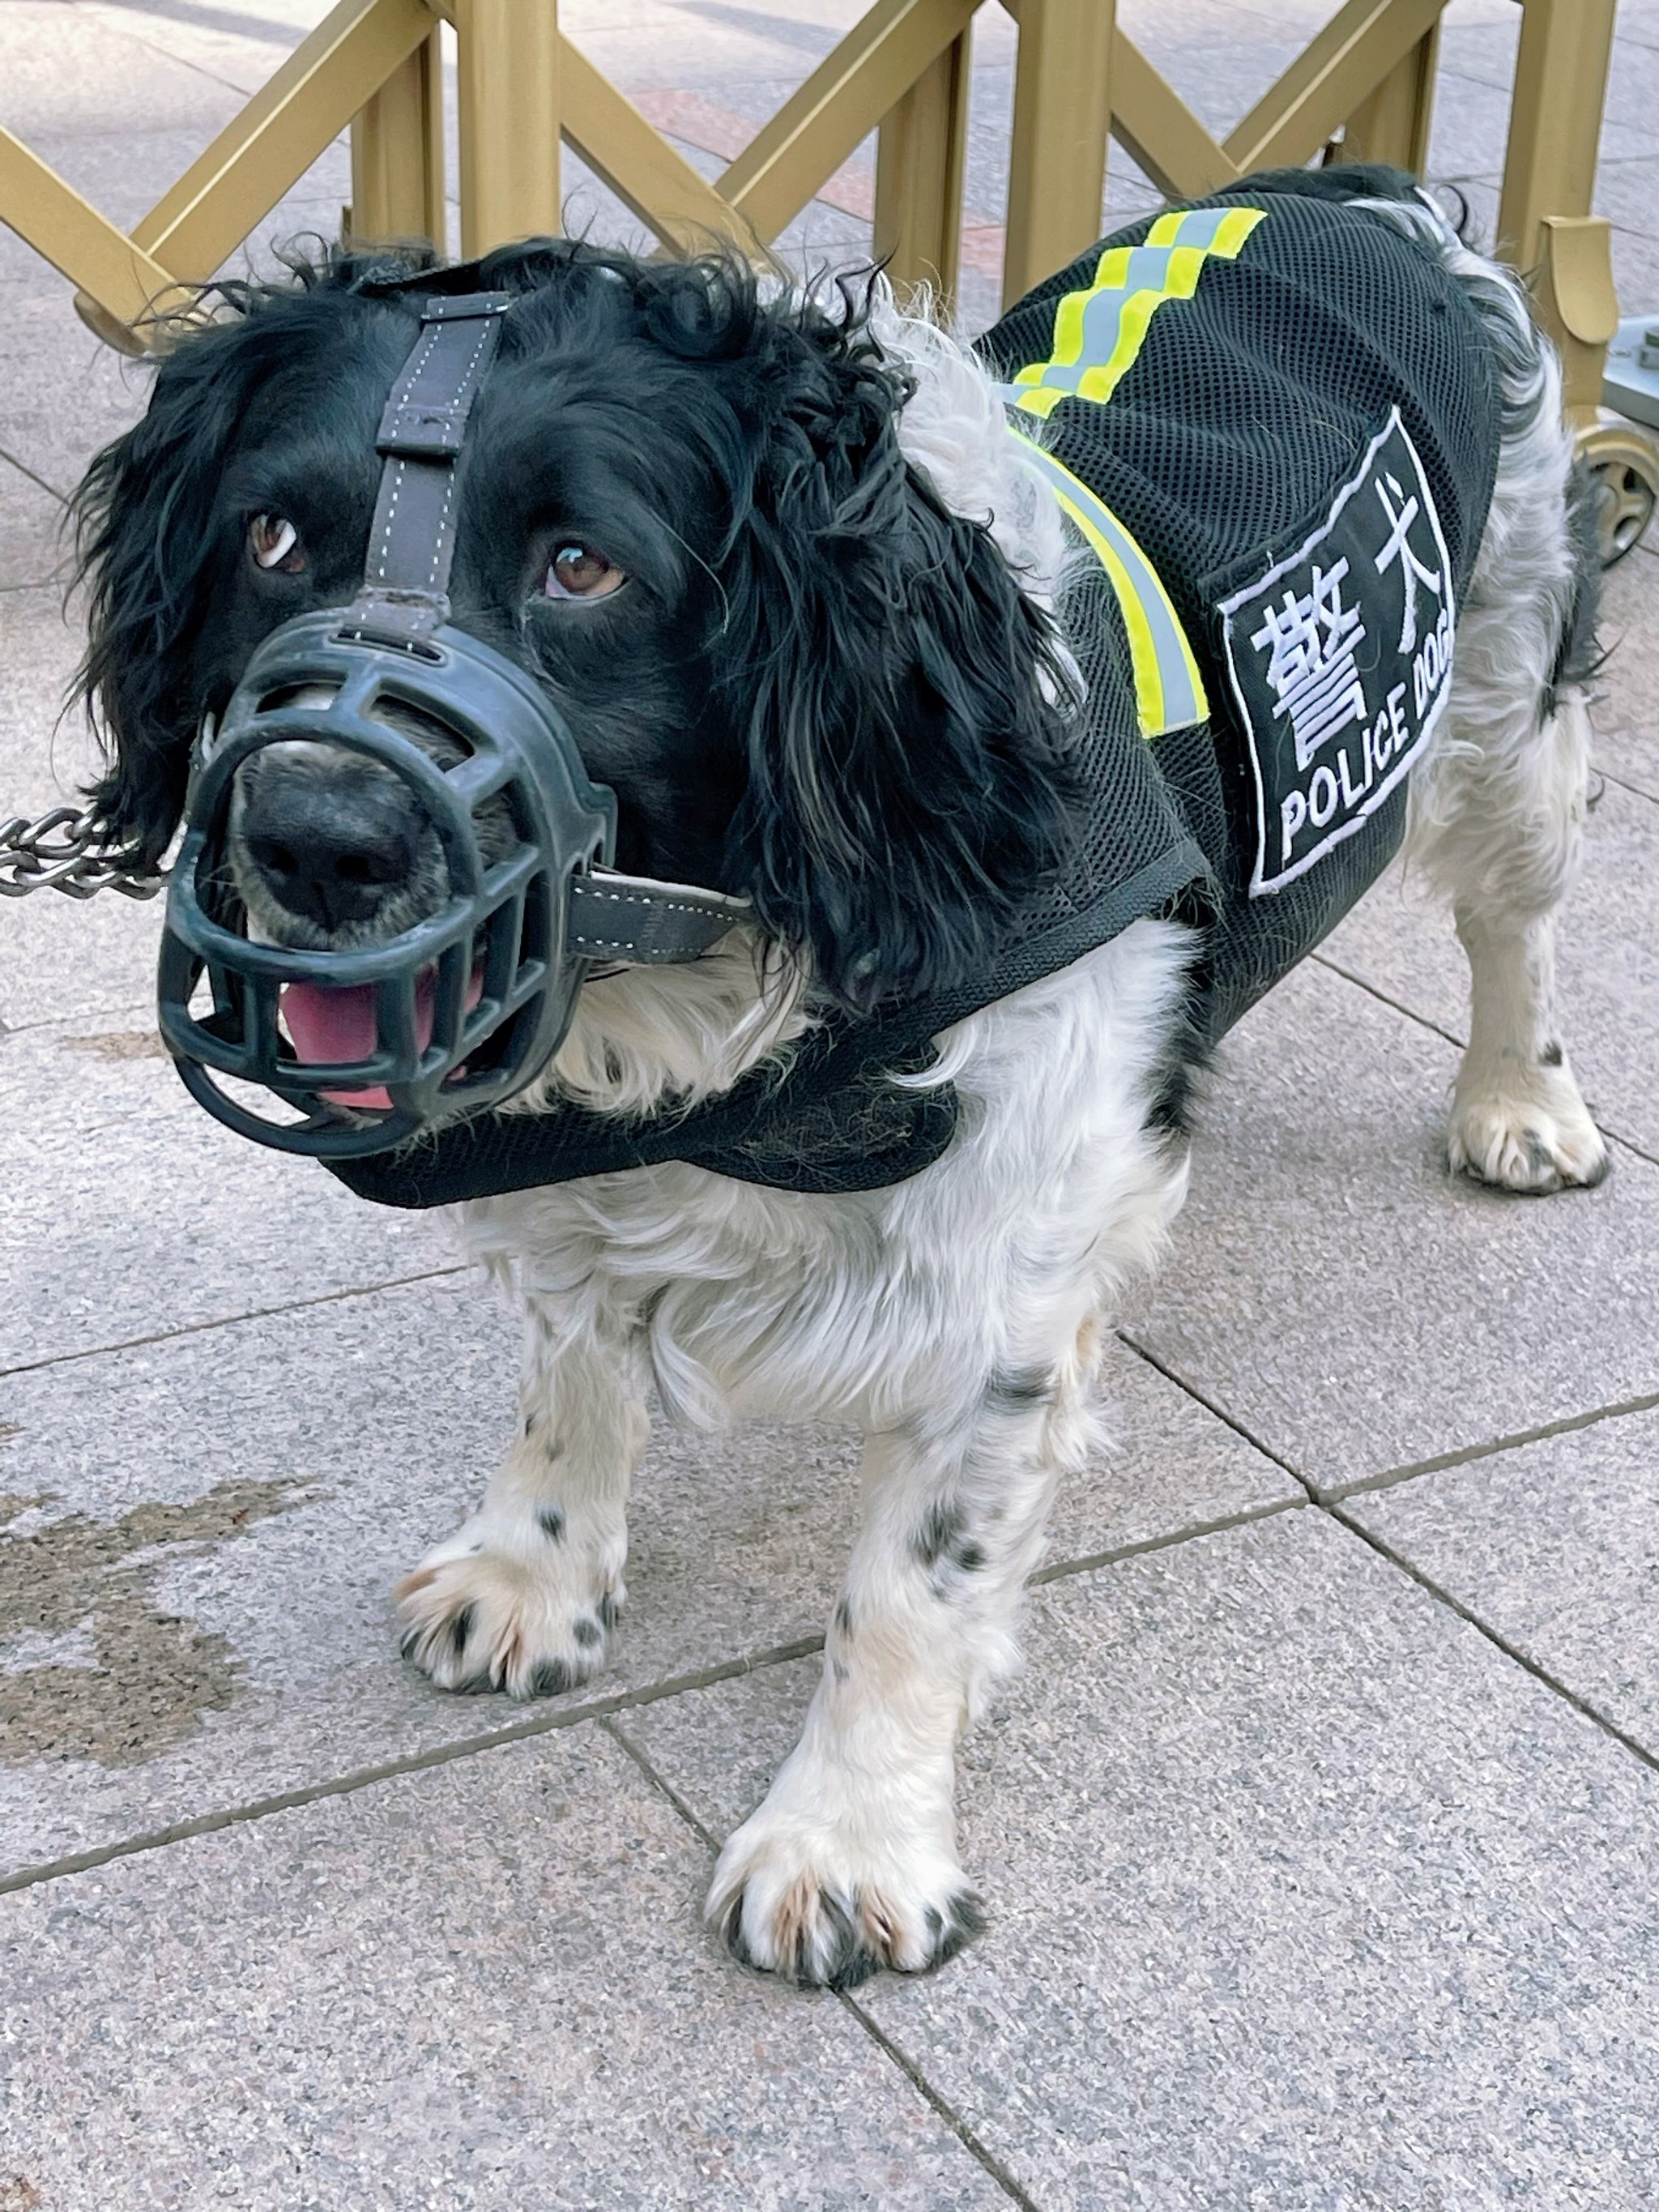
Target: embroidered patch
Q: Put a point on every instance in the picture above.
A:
(1340, 660)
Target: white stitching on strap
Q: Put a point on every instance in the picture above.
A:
(391, 508)
(440, 532)
(463, 391)
(644, 898)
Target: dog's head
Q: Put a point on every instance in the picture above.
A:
(685, 509)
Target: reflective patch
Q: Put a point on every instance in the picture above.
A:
(1340, 660)
(1099, 331)
(1169, 690)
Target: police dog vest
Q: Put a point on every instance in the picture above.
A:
(1271, 421)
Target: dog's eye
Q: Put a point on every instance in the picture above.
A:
(275, 543)
(577, 572)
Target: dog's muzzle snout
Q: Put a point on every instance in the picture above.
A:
(413, 909)
(325, 840)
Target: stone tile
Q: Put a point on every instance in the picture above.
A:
(1170, 1464)
(272, 1479)
(175, 1221)
(1483, 48)
(1301, 1895)
(1627, 687)
(1353, 1307)
(76, 77)
(201, 1615)
(201, 1538)
(1626, 187)
(1556, 1546)
(1471, 123)
(484, 1987)
(58, 958)
(241, 47)
(1607, 963)
(33, 546)
(1639, 24)
(1636, 270)
(67, 393)
(1632, 82)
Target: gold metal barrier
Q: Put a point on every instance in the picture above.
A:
(1363, 89)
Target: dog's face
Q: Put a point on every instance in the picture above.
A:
(685, 512)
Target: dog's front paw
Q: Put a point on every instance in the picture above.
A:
(1529, 1132)
(483, 1619)
(805, 1899)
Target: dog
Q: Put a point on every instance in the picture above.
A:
(788, 560)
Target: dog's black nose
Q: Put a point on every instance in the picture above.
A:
(331, 845)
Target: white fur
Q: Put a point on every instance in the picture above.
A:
(1496, 812)
(953, 1316)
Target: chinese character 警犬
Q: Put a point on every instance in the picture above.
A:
(1311, 643)
(1402, 513)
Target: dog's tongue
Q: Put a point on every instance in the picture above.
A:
(333, 1024)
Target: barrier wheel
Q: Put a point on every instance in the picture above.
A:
(1625, 462)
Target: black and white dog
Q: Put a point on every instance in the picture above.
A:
(792, 578)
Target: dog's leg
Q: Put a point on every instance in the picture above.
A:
(1518, 1119)
(521, 1596)
(975, 1345)
(1503, 841)
(1498, 808)
(851, 1863)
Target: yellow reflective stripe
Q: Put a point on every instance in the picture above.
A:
(1109, 320)
(1169, 691)
(1143, 653)
(1114, 272)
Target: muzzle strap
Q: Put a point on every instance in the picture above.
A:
(637, 919)
(411, 541)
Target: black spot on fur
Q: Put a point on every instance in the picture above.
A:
(941, 1527)
(461, 1627)
(532, 1423)
(968, 1556)
(1540, 1158)
(1019, 1387)
(606, 1610)
(551, 1522)
(550, 1678)
(850, 1959)
(586, 1633)
(1578, 657)
(844, 1619)
(1551, 1056)
(963, 1919)
(732, 1933)
(1184, 1053)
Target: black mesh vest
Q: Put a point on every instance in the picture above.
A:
(1272, 418)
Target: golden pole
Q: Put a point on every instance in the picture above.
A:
(509, 120)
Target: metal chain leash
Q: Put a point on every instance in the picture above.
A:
(61, 850)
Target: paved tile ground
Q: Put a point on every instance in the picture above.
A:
(1319, 1833)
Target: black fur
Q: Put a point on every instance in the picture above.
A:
(819, 686)
(1578, 657)
(1015, 1389)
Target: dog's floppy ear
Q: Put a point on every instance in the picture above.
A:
(907, 774)
(145, 515)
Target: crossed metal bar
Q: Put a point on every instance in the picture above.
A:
(901, 70)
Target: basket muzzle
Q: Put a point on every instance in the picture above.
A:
(456, 1011)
